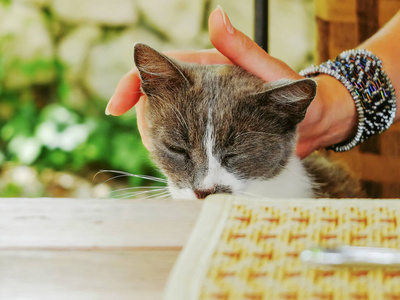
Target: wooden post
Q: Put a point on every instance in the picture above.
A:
(261, 23)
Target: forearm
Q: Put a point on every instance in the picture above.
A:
(386, 45)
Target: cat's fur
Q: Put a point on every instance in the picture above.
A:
(219, 129)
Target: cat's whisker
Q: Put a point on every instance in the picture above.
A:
(132, 195)
(166, 195)
(137, 193)
(151, 196)
(114, 177)
(156, 196)
(128, 196)
(141, 187)
(134, 190)
(122, 174)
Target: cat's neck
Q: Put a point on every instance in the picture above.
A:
(292, 182)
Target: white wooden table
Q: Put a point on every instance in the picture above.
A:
(90, 248)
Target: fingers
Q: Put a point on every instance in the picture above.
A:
(241, 50)
(303, 149)
(126, 95)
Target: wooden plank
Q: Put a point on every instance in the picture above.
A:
(95, 223)
(390, 144)
(395, 127)
(336, 10)
(84, 275)
(371, 167)
(387, 9)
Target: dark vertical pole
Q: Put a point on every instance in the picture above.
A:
(261, 23)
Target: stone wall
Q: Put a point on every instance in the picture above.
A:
(93, 39)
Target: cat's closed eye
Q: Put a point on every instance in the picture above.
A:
(182, 152)
(227, 158)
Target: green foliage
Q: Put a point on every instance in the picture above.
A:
(11, 190)
(32, 68)
(39, 127)
(5, 2)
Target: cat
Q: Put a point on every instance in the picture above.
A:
(219, 129)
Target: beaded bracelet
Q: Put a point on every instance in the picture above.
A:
(361, 73)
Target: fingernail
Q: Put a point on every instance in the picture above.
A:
(227, 22)
(108, 105)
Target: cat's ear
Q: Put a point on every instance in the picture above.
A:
(157, 72)
(292, 98)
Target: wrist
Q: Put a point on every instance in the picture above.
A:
(360, 71)
(331, 117)
(338, 110)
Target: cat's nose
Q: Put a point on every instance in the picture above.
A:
(202, 194)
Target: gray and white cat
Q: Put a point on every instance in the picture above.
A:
(219, 129)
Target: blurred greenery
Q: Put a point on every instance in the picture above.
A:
(5, 2)
(40, 128)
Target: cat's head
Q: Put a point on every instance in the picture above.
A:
(218, 128)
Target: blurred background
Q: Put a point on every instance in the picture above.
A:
(60, 61)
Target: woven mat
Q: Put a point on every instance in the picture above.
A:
(249, 249)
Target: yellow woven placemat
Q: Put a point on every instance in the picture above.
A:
(249, 249)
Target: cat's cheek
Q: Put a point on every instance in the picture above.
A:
(181, 193)
(238, 187)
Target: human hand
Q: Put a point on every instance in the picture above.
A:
(235, 47)
(330, 119)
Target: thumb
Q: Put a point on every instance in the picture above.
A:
(242, 51)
